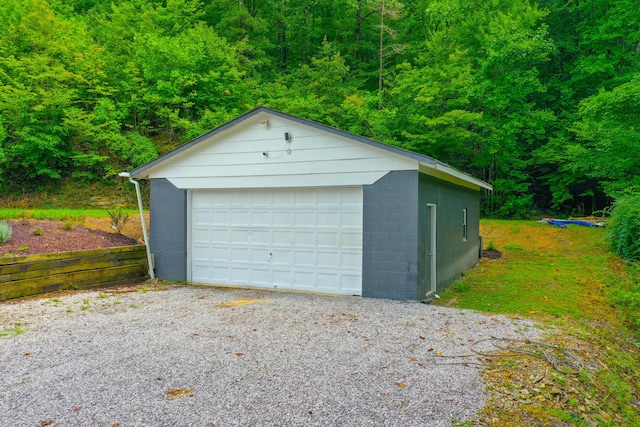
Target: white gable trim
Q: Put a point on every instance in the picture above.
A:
(251, 151)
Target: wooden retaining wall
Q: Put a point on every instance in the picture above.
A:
(35, 274)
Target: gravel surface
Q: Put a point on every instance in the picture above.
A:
(192, 356)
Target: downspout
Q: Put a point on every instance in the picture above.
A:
(142, 221)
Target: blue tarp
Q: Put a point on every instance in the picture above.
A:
(563, 222)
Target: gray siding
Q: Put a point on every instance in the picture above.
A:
(454, 254)
(390, 237)
(168, 240)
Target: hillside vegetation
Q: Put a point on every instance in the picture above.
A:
(540, 98)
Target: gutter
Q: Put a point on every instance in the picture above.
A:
(142, 221)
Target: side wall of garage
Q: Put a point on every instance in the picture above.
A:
(457, 244)
(390, 237)
(168, 240)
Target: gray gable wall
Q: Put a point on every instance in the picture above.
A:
(390, 237)
(168, 224)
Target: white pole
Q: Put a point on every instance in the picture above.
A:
(142, 220)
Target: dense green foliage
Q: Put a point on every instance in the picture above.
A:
(624, 227)
(541, 98)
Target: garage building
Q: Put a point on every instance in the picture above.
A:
(270, 200)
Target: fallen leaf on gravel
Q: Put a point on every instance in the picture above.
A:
(430, 349)
(238, 353)
(421, 337)
(76, 408)
(401, 385)
(28, 353)
(310, 412)
(178, 392)
(241, 301)
(414, 359)
(46, 423)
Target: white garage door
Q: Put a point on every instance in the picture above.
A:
(307, 239)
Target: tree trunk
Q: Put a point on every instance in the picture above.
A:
(357, 37)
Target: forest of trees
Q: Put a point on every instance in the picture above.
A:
(539, 98)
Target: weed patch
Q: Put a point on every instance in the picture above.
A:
(16, 329)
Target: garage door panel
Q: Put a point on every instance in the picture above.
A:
(261, 237)
(305, 198)
(328, 259)
(241, 219)
(261, 276)
(282, 278)
(305, 280)
(200, 253)
(239, 255)
(328, 198)
(298, 239)
(260, 256)
(351, 260)
(219, 218)
(282, 199)
(282, 257)
(350, 281)
(304, 219)
(201, 217)
(215, 200)
(281, 237)
(351, 219)
(240, 236)
(282, 219)
(305, 258)
(261, 218)
(329, 219)
(220, 254)
(328, 281)
(327, 239)
(240, 276)
(304, 238)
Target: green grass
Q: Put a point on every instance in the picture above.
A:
(569, 279)
(62, 214)
(545, 271)
(17, 329)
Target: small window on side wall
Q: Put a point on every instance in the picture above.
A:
(464, 224)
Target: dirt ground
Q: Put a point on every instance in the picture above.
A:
(31, 237)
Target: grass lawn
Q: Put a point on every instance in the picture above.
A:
(61, 214)
(562, 278)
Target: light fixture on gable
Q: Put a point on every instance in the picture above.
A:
(287, 136)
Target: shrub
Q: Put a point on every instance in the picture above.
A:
(5, 231)
(38, 231)
(119, 218)
(67, 226)
(624, 227)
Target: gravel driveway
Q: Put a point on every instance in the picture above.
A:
(192, 356)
